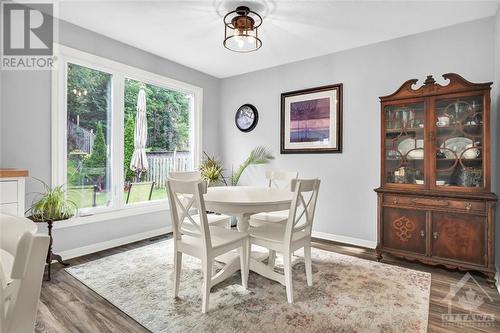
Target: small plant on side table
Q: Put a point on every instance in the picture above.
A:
(52, 206)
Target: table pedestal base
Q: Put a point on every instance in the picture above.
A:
(232, 259)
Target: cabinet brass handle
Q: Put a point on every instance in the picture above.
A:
(395, 201)
(468, 206)
(422, 234)
(435, 235)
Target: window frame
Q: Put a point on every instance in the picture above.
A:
(119, 72)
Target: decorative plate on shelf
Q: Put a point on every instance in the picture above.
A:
(455, 145)
(246, 117)
(412, 148)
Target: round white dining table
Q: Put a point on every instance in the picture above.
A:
(242, 202)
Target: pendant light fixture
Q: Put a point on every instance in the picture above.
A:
(241, 30)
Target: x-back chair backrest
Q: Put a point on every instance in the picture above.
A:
(185, 175)
(185, 196)
(301, 216)
(280, 179)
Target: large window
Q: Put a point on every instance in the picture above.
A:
(118, 131)
(167, 145)
(88, 95)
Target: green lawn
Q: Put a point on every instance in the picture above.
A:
(83, 198)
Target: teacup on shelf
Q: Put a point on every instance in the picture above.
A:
(443, 121)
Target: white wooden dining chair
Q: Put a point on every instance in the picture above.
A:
(213, 219)
(276, 179)
(198, 239)
(293, 235)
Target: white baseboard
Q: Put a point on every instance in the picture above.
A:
(92, 248)
(344, 239)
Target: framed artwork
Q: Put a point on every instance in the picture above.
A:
(311, 120)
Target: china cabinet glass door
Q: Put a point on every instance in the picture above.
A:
(404, 143)
(459, 142)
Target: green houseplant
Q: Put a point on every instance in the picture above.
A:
(258, 155)
(53, 205)
(212, 169)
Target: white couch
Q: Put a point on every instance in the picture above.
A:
(22, 261)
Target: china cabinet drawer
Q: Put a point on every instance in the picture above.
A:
(465, 205)
(8, 192)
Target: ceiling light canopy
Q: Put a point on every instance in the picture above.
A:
(241, 30)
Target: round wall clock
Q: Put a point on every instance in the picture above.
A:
(246, 117)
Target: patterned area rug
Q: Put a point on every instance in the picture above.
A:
(348, 295)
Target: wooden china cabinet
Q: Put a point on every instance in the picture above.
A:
(434, 202)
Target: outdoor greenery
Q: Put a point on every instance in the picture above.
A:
(167, 113)
(128, 147)
(88, 98)
(95, 164)
(88, 103)
(53, 205)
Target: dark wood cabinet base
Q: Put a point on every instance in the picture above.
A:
(423, 230)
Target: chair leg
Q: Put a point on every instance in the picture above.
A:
(308, 264)
(287, 258)
(272, 259)
(177, 271)
(244, 263)
(207, 280)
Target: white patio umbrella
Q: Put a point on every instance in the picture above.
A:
(139, 162)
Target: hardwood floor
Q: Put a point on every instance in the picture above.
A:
(66, 305)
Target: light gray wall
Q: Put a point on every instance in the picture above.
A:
(25, 136)
(347, 203)
(495, 118)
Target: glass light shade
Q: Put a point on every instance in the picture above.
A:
(241, 30)
(242, 43)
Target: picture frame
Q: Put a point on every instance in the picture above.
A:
(311, 120)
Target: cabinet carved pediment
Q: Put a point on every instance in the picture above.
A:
(456, 84)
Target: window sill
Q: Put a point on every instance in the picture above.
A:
(112, 215)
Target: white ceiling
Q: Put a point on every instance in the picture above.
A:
(191, 32)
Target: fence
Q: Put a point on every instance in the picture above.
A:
(81, 138)
(161, 164)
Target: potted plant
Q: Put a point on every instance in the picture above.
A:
(212, 169)
(52, 206)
